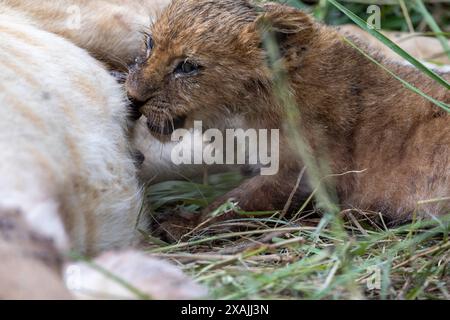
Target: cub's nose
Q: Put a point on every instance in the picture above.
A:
(135, 97)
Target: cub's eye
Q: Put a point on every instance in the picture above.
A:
(187, 68)
(149, 45)
(148, 50)
(139, 60)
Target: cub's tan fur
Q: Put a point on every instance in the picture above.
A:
(353, 113)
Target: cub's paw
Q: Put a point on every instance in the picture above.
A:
(173, 228)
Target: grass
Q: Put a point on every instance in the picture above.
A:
(318, 254)
(307, 257)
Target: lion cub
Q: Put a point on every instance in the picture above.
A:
(206, 61)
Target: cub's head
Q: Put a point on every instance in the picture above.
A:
(205, 60)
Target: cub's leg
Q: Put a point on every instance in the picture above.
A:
(283, 191)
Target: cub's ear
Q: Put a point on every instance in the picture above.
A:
(286, 23)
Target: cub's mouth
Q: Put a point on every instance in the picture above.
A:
(160, 124)
(164, 126)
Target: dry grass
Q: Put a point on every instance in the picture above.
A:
(312, 257)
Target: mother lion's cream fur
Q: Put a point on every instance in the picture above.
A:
(109, 29)
(65, 161)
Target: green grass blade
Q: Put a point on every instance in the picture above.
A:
(361, 23)
(406, 15)
(433, 25)
(438, 103)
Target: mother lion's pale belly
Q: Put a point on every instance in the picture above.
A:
(64, 162)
